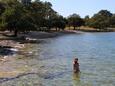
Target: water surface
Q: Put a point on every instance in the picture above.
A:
(53, 57)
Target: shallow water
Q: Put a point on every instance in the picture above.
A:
(51, 63)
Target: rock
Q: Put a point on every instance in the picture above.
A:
(13, 49)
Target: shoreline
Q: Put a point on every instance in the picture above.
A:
(8, 67)
(89, 29)
(84, 30)
(44, 35)
(20, 49)
(11, 45)
(14, 44)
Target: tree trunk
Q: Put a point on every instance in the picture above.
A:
(69, 27)
(74, 27)
(78, 28)
(56, 29)
(15, 33)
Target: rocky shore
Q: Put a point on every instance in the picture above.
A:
(9, 46)
(14, 51)
(43, 35)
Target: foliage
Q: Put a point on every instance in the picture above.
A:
(101, 20)
(112, 21)
(16, 16)
(75, 20)
(86, 20)
(2, 7)
(59, 22)
(12, 15)
(38, 15)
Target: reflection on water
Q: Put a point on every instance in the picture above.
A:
(76, 79)
(52, 60)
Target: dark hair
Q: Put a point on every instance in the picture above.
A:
(76, 59)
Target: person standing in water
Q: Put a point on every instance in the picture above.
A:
(76, 66)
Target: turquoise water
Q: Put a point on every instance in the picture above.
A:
(53, 57)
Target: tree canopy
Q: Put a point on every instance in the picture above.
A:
(75, 20)
(16, 16)
(100, 20)
(38, 15)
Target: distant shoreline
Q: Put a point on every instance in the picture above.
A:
(89, 29)
(96, 30)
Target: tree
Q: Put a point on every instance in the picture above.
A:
(101, 20)
(15, 17)
(59, 22)
(2, 8)
(40, 14)
(112, 21)
(20, 17)
(49, 14)
(12, 15)
(86, 20)
(75, 21)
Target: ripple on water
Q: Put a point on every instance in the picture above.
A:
(53, 61)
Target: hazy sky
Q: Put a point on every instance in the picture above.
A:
(82, 7)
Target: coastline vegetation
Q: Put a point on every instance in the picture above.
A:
(40, 16)
(20, 17)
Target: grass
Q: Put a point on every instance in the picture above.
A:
(89, 29)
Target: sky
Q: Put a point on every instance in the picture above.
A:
(82, 7)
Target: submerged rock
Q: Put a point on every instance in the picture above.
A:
(8, 51)
(5, 51)
(14, 50)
